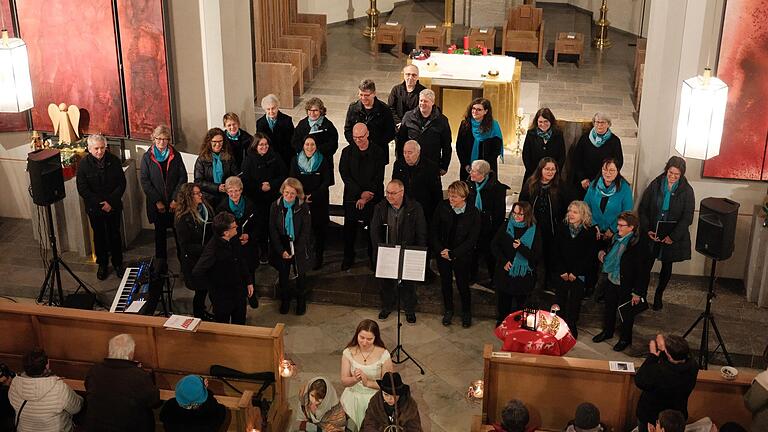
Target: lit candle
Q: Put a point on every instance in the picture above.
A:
(530, 320)
(466, 43)
(485, 50)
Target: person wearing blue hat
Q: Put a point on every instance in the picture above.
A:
(194, 408)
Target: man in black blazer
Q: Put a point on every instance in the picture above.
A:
(373, 113)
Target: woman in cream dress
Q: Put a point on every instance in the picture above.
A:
(364, 360)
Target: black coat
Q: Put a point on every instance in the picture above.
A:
(432, 133)
(534, 150)
(204, 178)
(327, 140)
(664, 385)
(302, 229)
(503, 249)
(457, 233)
(682, 203)
(494, 196)
(400, 101)
(208, 417)
(381, 126)
(574, 254)
(587, 160)
(258, 169)
(315, 184)
(362, 171)
(223, 270)
(635, 266)
(548, 208)
(159, 187)
(411, 225)
(120, 397)
(422, 183)
(239, 148)
(249, 217)
(281, 138)
(192, 236)
(490, 149)
(96, 184)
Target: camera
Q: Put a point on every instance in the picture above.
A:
(5, 371)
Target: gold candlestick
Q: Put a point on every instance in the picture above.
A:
(601, 40)
(373, 21)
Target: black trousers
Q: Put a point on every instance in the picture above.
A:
(664, 276)
(106, 237)
(508, 303)
(229, 310)
(354, 219)
(460, 269)
(569, 296)
(483, 254)
(616, 295)
(163, 222)
(406, 291)
(198, 302)
(284, 270)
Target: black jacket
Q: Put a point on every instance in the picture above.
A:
(258, 169)
(248, 216)
(664, 385)
(456, 232)
(490, 149)
(120, 397)
(682, 203)
(223, 270)
(432, 133)
(400, 101)
(204, 178)
(239, 148)
(494, 196)
(636, 264)
(96, 184)
(534, 150)
(302, 229)
(327, 140)
(158, 186)
(381, 126)
(208, 417)
(315, 183)
(362, 171)
(192, 236)
(280, 139)
(548, 208)
(574, 254)
(422, 183)
(503, 249)
(411, 225)
(587, 160)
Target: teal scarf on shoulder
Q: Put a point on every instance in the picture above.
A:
(289, 219)
(520, 266)
(597, 139)
(478, 197)
(612, 261)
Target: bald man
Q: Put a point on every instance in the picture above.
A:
(405, 96)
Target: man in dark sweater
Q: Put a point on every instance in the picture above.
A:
(101, 183)
(405, 96)
(373, 113)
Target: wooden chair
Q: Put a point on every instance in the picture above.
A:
(314, 25)
(431, 36)
(387, 34)
(524, 32)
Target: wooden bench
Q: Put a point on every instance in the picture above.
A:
(75, 340)
(552, 388)
(314, 25)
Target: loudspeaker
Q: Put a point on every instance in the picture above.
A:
(45, 176)
(717, 227)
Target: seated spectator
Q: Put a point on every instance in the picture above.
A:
(514, 417)
(319, 409)
(7, 414)
(756, 399)
(587, 419)
(194, 408)
(120, 394)
(669, 421)
(42, 401)
(381, 408)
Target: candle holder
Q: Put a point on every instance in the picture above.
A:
(476, 391)
(520, 131)
(287, 368)
(369, 30)
(601, 40)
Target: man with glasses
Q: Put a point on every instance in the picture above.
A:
(398, 220)
(375, 114)
(405, 96)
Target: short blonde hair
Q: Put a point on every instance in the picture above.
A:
(233, 181)
(294, 183)
(161, 130)
(428, 94)
(459, 188)
(584, 211)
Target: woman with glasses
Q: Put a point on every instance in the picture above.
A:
(593, 148)
(278, 127)
(543, 140)
(479, 137)
(627, 267)
(517, 248)
(214, 165)
(321, 129)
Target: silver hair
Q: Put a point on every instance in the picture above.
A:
(95, 139)
(483, 167)
(427, 93)
(601, 116)
(122, 347)
(269, 100)
(414, 143)
(233, 181)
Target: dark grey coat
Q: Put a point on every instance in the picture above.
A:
(158, 187)
(681, 205)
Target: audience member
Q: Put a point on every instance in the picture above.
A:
(364, 360)
(668, 200)
(543, 140)
(587, 419)
(214, 164)
(430, 128)
(398, 220)
(101, 183)
(455, 230)
(669, 421)
(517, 248)
(120, 394)
(238, 140)
(278, 127)
(362, 169)
(290, 232)
(244, 211)
(161, 174)
(666, 379)
(514, 417)
(42, 401)
(319, 409)
(193, 230)
(194, 409)
(314, 170)
(7, 414)
(374, 114)
(479, 137)
(321, 129)
(224, 271)
(627, 268)
(392, 405)
(405, 96)
(592, 149)
(756, 399)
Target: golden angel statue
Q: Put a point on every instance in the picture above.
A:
(66, 122)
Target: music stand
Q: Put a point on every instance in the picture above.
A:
(391, 264)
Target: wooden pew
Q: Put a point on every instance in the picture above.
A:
(552, 388)
(278, 39)
(314, 25)
(74, 340)
(299, 31)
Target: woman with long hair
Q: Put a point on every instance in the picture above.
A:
(479, 137)
(214, 165)
(543, 139)
(364, 360)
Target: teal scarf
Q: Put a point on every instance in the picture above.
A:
(239, 208)
(597, 139)
(478, 197)
(494, 131)
(544, 135)
(202, 211)
(520, 266)
(234, 137)
(161, 156)
(289, 219)
(314, 125)
(460, 210)
(309, 165)
(667, 194)
(612, 261)
(271, 122)
(575, 230)
(218, 168)
(606, 191)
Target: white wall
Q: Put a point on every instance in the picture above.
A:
(342, 10)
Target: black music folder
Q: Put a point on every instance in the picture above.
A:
(627, 310)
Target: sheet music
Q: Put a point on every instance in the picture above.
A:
(387, 261)
(135, 306)
(414, 265)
